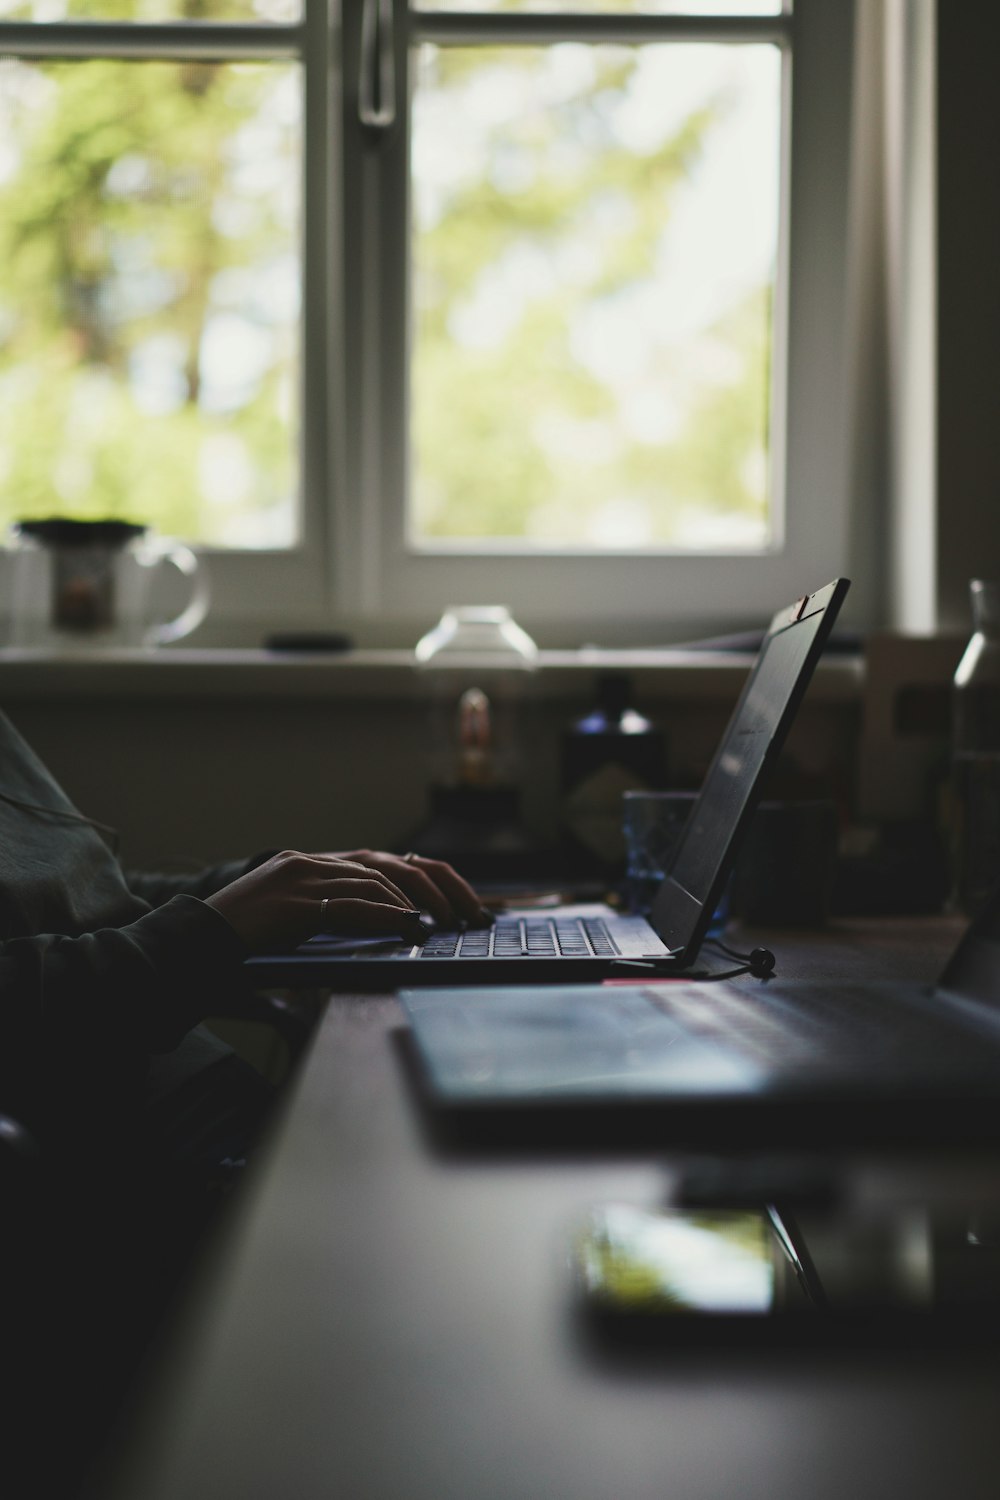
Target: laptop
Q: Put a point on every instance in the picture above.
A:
(859, 1061)
(580, 943)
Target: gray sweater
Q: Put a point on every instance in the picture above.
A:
(98, 968)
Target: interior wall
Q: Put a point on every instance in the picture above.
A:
(189, 782)
(942, 249)
(968, 312)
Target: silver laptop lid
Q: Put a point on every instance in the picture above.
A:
(792, 645)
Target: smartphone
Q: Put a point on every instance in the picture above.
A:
(902, 1272)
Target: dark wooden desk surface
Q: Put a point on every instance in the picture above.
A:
(386, 1324)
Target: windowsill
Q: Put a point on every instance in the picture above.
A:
(182, 673)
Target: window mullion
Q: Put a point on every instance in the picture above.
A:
(320, 441)
(196, 40)
(504, 28)
(373, 334)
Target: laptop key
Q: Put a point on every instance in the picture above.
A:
(539, 938)
(475, 945)
(571, 939)
(507, 940)
(568, 938)
(600, 940)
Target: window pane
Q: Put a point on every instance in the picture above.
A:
(151, 10)
(594, 261)
(149, 295)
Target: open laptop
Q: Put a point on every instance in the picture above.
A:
(570, 943)
(880, 1059)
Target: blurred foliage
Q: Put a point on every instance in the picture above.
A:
(485, 413)
(149, 10)
(149, 224)
(143, 250)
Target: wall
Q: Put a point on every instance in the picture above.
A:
(192, 772)
(968, 306)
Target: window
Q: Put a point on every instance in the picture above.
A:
(504, 301)
(590, 360)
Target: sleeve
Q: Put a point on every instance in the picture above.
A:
(157, 889)
(92, 1004)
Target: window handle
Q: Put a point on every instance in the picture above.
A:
(377, 83)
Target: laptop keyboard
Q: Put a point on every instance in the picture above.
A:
(520, 937)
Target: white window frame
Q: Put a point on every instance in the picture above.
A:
(352, 567)
(254, 591)
(575, 598)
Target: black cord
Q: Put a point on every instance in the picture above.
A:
(760, 962)
(703, 977)
(721, 947)
(67, 815)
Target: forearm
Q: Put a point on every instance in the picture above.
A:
(96, 1005)
(157, 888)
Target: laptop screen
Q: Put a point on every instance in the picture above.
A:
(766, 707)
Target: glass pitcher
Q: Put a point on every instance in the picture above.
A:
(89, 584)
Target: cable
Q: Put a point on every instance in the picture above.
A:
(704, 978)
(760, 962)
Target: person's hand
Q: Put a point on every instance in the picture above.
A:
(431, 884)
(280, 903)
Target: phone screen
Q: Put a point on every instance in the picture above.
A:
(663, 1272)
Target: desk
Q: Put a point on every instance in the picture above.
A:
(385, 1323)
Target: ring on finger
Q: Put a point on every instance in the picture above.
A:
(322, 913)
(409, 858)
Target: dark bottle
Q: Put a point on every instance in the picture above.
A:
(613, 749)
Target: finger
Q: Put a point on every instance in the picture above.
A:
(407, 876)
(425, 894)
(349, 914)
(367, 889)
(371, 873)
(432, 884)
(458, 893)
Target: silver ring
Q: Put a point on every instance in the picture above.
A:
(409, 858)
(322, 913)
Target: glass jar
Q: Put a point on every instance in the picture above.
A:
(976, 752)
(481, 636)
(474, 663)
